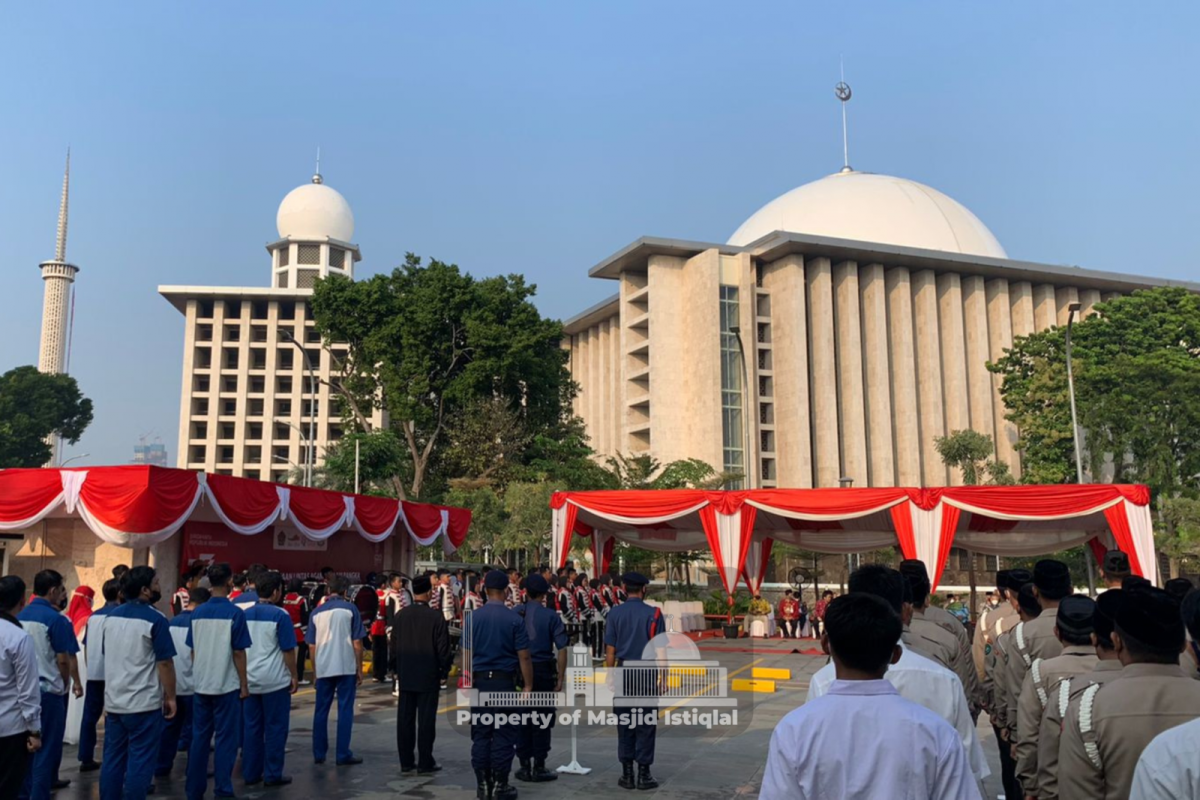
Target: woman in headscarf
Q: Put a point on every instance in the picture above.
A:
(78, 611)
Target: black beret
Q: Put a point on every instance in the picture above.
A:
(1148, 614)
(1190, 608)
(1178, 588)
(1002, 578)
(1018, 578)
(914, 567)
(1102, 621)
(421, 584)
(1116, 563)
(1052, 578)
(495, 580)
(634, 579)
(1075, 615)
(1028, 601)
(537, 584)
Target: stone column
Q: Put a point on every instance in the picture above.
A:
(979, 380)
(784, 279)
(1088, 298)
(604, 377)
(906, 417)
(823, 384)
(1045, 307)
(929, 374)
(875, 351)
(850, 372)
(1020, 295)
(1063, 297)
(1000, 336)
(954, 360)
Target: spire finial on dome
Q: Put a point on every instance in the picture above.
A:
(842, 90)
(317, 175)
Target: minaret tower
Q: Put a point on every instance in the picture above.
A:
(58, 276)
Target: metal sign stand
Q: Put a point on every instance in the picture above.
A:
(574, 768)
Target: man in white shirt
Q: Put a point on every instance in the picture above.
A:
(271, 674)
(20, 698)
(862, 740)
(335, 634)
(915, 677)
(1169, 767)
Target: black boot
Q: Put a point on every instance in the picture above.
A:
(645, 779)
(626, 780)
(525, 773)
(503, 791)
(483, 784)
(540, 773)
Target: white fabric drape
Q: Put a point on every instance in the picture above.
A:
(927, 532)
(729, 538)
(1141, 525)
(755, 567)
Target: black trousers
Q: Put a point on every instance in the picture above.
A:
(416, 725)
(534, 740)
(379, 657)
(301, 656)
(1008, 768)
(789, 628)
(394, 653)
(14, 763)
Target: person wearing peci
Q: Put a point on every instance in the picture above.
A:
(335, 635)
(139, 687)
(495, 646)
(546, 634)
(422, 643)
(1035, 639)
(177, 731)
(93, 696)
(834, 745)
(627, 631)
(218, 638)
(55, 644)
(271, 677)
(20, 698)
(1114, 569)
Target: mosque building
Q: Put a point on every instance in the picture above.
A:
(835, 335)
(255, 375)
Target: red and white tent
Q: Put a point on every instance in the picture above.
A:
(739, 527)
(140, 506)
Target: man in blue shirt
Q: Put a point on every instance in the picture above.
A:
(546, 633)
(55, 644)
(139, 687)
(271, 674)
(628, 629)
(495, 645)
(93, 698)
(218, 639)
(335, 634)
(177, 731)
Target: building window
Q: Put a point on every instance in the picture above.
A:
(732, 418)
(337, 258)
(306, 278)
(281, 280)
(283, 385)
(285, 253)
(205, 309)
(308, 254)
(960, 559)
(233, 309)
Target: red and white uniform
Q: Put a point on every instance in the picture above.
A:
(566, 605)
(379, 626)
(513, 596)
(297, 607)
(180, 600)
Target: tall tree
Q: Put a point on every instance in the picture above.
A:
(427, 341)
(35, 406)
(972, 451)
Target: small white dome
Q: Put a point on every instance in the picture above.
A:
(315, 211)
(873, 208)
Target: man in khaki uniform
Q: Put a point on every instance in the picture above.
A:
(1035, 639)
(926, 614)
(1073, 627)
(1108, 666)
(928, 637)
(1021, 596)
(1108, 726)
(987, 628)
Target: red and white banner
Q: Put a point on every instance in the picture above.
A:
(922, 523)
(138, 506)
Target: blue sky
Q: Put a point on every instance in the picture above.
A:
(541, 137)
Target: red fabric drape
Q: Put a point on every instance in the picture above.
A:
(902, 522)
(568, 531)
(1045, 501)
(425, 520)
(950, 516)
(1097, 548)
(755, 582)
(749, 515)
(138, 499)
(314, 508)
(828, 502)
(244, 502)
(25, 493)
(459, 523)
(1118, 522)
(375, 514)
(644, 504)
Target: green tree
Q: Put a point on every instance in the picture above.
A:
(1177, 536)
(34, 407)
(644, 471)
(972, 451)
(428, 341)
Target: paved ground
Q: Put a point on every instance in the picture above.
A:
(717, 764)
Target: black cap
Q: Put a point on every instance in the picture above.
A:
(1075, 615)
(537, 584)
(1147, 614)
(421, 584)
(1002, 578)
(1018, 578)
(1102, 620)
(914, 566)
(495, 580)
(1190, 610)
(1052, 579)
(1178, 588)
(1028, 601)
(634, 579)
(1116, 564)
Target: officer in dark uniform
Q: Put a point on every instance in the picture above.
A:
(628, 629)
(496, 647)
(546, 632)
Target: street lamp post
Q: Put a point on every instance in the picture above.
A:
(737, 333)
(1072, 310)
(74, 458)
(311, 458)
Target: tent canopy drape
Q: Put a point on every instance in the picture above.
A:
(139, 506)
(923, 523)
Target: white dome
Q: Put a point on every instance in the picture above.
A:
(873, 208)
(315, 211)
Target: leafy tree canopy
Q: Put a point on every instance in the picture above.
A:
(35, 406)
(972, 452)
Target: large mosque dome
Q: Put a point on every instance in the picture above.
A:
(874, 208)
(315, 211)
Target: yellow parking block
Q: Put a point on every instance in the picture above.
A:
(695, 672)
(750, 685)
(674, 682)
(771, 673)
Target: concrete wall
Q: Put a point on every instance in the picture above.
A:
(69, 547)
